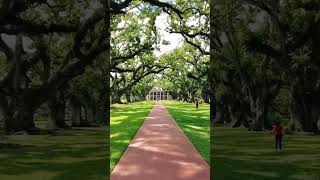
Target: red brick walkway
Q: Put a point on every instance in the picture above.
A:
(161, 151)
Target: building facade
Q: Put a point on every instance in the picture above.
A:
(158, 94)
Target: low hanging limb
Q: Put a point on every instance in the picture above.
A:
(118, 7)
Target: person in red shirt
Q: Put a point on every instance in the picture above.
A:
(197, 104)
(278, 134)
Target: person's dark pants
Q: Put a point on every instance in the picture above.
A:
(278, 142)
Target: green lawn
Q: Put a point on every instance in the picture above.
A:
(125, 122)
(71, 154)
(195, 124)
(239, 154)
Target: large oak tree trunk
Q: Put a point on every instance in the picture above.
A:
(91, 114)
(77, 120)
(22, 120)
(3, 114)
(237, 115)
(22, 117)
(116, 98)
(100, 115)
(128, 97)
(205, 97)
(210, 74)
(56, 117)
(305, 114)
(258, 115)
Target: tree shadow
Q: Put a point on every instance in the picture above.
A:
(161, 151)
(125, 122)
(78, 154)
(194, 122)
(239, 154)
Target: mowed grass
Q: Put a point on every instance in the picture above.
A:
(126, 119)
(194, 122)
(70, 154)
(239, 154)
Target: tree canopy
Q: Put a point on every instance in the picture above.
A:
(266, 61)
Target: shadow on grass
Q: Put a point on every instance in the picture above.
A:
(238, 154)
(74, 154)
(125, 122)
(194, 122)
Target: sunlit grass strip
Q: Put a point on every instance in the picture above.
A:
(126, 119)
(194, 122)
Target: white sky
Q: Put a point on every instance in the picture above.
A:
(175, 40)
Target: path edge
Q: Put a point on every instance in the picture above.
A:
(187, 136)
(144, 120)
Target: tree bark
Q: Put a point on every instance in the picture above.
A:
(99, 115)
(128, 97)
(84, 116)
(91, 114)
(305, 109)
(17, 63)
(22, 120)
(3, 114)
(56, 119)
(77, 120)
(116, 98)
(294, 123)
